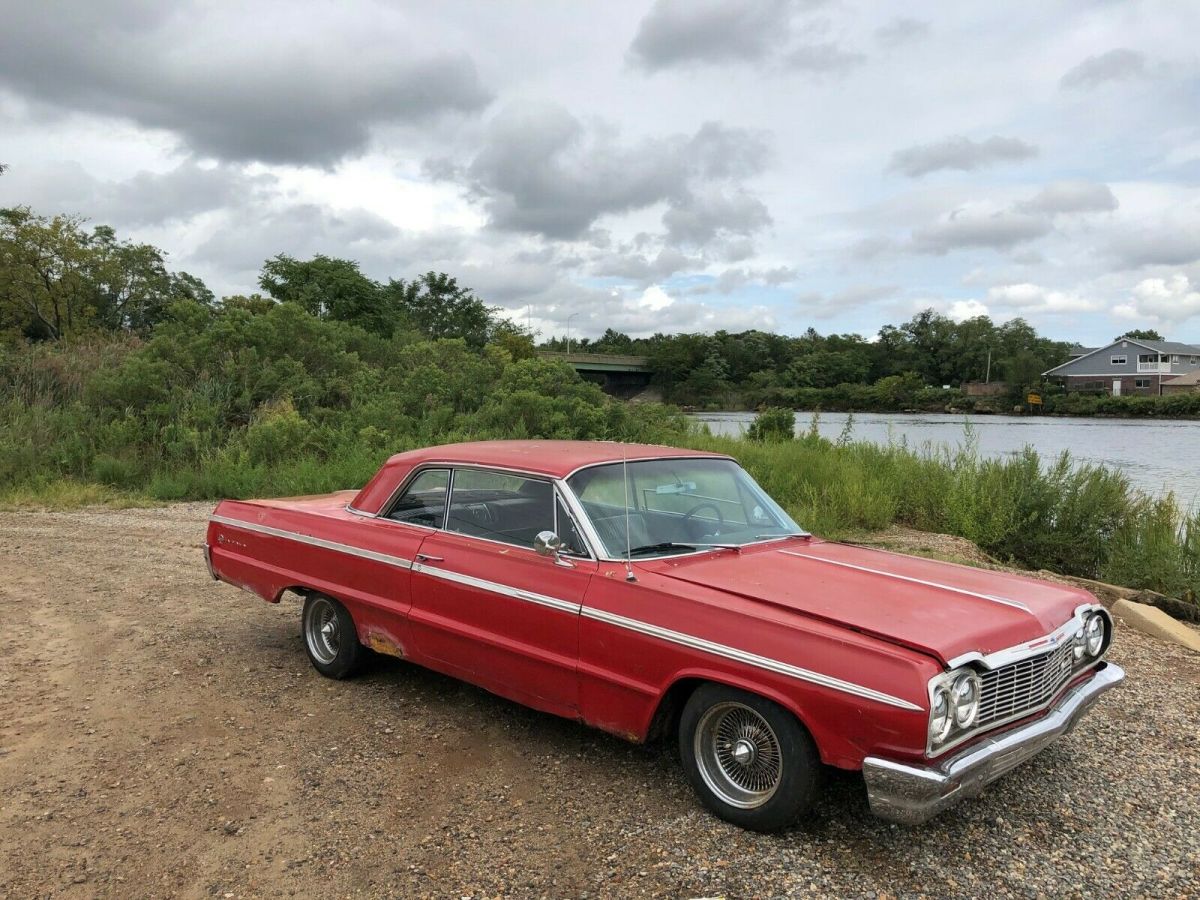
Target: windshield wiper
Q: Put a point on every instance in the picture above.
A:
(665, 545)
(674, 545)
(780, 537)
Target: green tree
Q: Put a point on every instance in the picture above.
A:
(330, 288)
(44, 290)
(1141, 334)
(825, 368)
(613, 342)
(438, 307)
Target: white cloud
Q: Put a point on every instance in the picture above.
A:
(1026, 297)
(961, 310)
(1171, 301)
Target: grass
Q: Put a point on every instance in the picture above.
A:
(64, 494)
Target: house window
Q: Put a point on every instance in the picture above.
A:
(1141, 382)
(1192, 360)
(1116, 360)
(1175, 358)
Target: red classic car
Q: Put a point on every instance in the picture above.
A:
(652, 591)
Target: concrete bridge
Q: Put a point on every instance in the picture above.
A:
(622, 376)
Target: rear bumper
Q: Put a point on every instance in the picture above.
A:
(911, 794)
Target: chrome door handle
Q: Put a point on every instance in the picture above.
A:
(425, 557)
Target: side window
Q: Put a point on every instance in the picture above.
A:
(500, 507)
(565, 528)
(424, 500)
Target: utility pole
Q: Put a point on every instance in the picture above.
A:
(987, 379)
(569, 318)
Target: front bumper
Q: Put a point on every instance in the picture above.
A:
(912, 794)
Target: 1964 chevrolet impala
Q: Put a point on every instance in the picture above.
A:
(652, 591)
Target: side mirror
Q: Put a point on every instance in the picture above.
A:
(549, 544)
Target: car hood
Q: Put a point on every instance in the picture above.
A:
(942, 609)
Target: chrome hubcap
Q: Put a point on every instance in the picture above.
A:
(738, 755)
(743, 752)
(321, 630)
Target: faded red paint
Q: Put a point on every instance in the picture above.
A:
(826, 608)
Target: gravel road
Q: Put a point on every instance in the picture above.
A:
(164, 735)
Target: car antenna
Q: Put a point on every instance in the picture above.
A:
(629, 576)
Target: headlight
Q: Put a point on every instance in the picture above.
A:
(940, 717)
(1093, 633)
(1079, 645)
(964, 699)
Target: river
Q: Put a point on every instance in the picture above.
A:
(1156, 455)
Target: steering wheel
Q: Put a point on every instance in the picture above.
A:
(687, 517)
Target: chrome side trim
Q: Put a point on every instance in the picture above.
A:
(675, 637)
(912, 794)
(752, 659)
(397, 561)
(933, 584)
(496, 588)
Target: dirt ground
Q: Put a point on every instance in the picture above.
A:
(164, 735)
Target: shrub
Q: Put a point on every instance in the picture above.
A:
(773, 424)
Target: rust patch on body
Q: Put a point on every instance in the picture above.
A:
(382, 642)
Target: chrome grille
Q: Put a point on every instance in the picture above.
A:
(1025, 685)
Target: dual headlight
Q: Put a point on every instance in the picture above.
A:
(1089, 640)
(954, 705)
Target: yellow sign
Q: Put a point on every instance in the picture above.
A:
(1034, 399)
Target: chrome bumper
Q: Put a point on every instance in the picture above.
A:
(912, 794)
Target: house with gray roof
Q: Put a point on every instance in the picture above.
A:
(1127, 366)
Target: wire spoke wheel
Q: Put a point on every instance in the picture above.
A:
(738, 755)
(322, 630)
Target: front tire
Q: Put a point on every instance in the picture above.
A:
(330, 638)
(749, 760)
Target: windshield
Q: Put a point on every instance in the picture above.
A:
(677, 505)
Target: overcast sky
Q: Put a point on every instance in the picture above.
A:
(676, 165)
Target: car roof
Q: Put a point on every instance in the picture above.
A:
(556, 459)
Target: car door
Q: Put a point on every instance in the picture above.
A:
(486, 607)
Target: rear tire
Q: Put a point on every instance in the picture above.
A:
(749, 760)
(330, 638)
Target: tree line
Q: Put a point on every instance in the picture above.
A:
(60, 279)
(751, 368)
